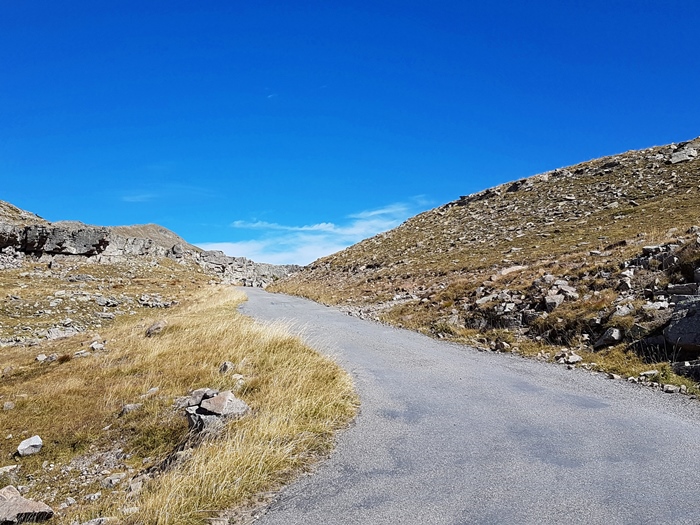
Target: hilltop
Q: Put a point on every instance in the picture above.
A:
(590, 257)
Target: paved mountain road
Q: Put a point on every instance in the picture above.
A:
(449, 435)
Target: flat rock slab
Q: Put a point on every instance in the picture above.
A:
(225, 404)
(16, 509)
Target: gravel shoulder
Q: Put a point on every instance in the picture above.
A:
(449, 435)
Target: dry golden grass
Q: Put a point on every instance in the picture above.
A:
(297, 396)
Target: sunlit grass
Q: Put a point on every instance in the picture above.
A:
(298, 399)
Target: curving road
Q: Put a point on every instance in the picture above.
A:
(449, 435)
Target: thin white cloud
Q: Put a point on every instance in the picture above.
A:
(170, 191)
(293, 244)
(262, 225)
(141, 197)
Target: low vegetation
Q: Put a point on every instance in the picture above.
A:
(77, 405)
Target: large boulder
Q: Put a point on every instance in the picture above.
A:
(65, 239)
(30, 446)
(683, 331)
(16, 509)
(10, 235)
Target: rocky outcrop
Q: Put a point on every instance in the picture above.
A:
(207, 409)
(113, 245)
(64, 238)
(243, 271)
(597, 254)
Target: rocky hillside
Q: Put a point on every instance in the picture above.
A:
(598, 254)
(23, 233)
(66, 278)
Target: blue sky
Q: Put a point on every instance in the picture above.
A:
(284, 131)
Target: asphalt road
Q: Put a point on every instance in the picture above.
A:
(450, 435)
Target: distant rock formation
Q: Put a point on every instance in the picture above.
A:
(28, 234)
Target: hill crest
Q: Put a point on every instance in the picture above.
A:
(488, 261)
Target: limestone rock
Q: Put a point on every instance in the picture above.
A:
(202, 420)
(132, 407)
(552, 301)
(226, 404)
(683, 332)
(30, 446)
(65, 238)
(609, 337)
(16, 509)
(207, 409)
(684, 155)
(156, 328)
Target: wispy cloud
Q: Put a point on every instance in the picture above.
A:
(139, 197)
(171, 191)
(302, 244)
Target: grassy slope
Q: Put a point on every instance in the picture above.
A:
(298, 399)
(551, 223)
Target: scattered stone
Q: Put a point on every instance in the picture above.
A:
(9, 469)
(226, 367)
(41, 358)
(68, 502)
(568, 357)
(649, 373)
(130, 408)
(672, 389)
(614, 376)
(57, 333)
(683, 155)
(154, 301)
(82, 353)
(610, 337)
(93, 497)
(156, 328)
(225, 404)
(30, 446)
(16, 509)
(623, 310)
(569, 292)
(8, 405)
(209, 414)
(552, 301)
(151, 392)
(96, 346)
(113, 480)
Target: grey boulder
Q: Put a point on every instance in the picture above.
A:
(683, 331)
(16, 509)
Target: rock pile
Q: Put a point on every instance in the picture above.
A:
(207, 409)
